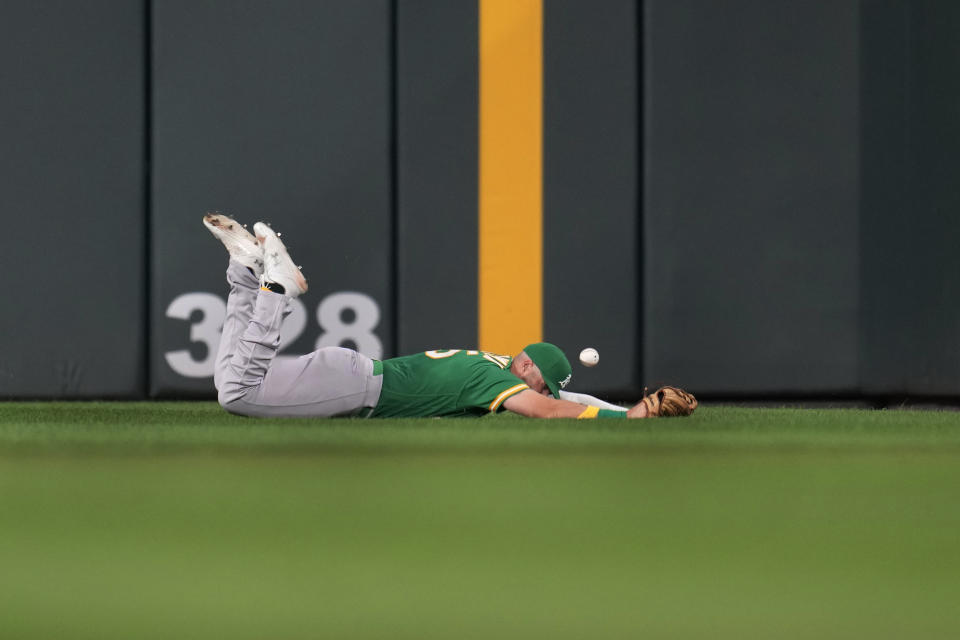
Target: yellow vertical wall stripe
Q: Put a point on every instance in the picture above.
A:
(511, 170)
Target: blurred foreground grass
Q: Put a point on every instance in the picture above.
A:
(159, 520)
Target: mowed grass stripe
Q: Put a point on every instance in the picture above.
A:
(151, 427)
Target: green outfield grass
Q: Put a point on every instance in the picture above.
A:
(176, 520)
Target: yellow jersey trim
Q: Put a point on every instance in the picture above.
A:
(517, 388)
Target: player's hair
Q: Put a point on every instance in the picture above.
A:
(523, 356)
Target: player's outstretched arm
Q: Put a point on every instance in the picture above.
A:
(534, 405)
(664, 402)
(639, 410)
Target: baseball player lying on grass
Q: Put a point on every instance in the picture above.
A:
(334, 381)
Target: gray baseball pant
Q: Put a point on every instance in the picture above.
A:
(252, 381)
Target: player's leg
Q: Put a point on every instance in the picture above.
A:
(328, 382)
(255, 382)
(243, 276)
(244, 286)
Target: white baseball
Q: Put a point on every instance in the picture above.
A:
(589, 357)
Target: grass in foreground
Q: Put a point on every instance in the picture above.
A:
(158, 520)
(153, 427)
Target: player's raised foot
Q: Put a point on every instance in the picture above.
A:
(241, 244)
(278, 268)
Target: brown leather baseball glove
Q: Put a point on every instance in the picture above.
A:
(668, 402)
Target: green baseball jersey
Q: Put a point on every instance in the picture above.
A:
(447, 382)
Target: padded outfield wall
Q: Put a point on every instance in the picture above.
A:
(744, 197)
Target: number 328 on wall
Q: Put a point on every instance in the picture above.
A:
(336, 330)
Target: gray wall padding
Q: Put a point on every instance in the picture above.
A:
(742, 197)
(72, 184)
(910, 210)
(751, 236)
(280, 115)
(437, 166)
(590, 191)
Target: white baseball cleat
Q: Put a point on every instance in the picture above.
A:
(278, 268)
(241, 244)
